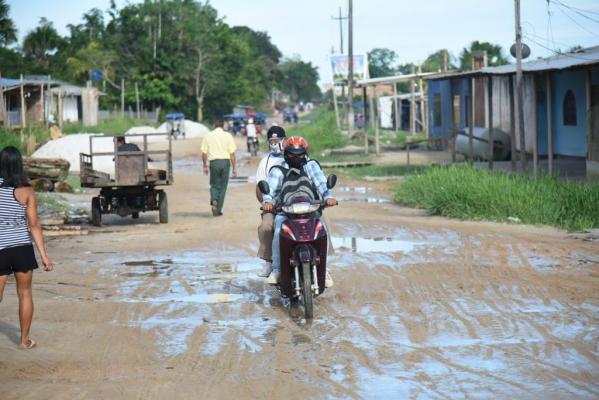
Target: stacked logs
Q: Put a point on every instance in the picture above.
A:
(47, 174)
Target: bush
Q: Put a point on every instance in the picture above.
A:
(12, 137)
(321, 133)
(468, 193)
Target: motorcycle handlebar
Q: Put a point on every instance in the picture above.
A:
(279, 208)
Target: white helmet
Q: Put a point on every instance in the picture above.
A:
(251, 121)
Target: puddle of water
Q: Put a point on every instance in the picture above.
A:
(354, 189)
(183, 291)
(380, 245)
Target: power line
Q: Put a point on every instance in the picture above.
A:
(576, 22)
(538, 37)
(576, 11)
(557, 52)
(549, 25)
(582, 10)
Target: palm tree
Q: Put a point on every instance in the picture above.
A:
(495, 55)
(41, 42)
(8, 32)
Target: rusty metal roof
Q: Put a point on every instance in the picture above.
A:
(580, 58)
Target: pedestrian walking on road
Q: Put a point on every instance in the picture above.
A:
(218, 149)
(18, 224)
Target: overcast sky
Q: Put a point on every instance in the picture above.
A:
(413, 29)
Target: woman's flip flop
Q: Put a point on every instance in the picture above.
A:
(30, 345)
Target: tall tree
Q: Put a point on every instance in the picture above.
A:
(495, 54)
(90, 58)
(10, 60)
(41, 43)
(298, 79)
(381, 62)
(435, 61)
(8, 31)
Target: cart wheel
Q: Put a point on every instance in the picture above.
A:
(163, 208)
(135, 215)
(96, 212)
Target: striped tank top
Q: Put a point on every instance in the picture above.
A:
(14, 230)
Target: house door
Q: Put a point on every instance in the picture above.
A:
(594, 128)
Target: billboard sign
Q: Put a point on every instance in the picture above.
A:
(340, 67)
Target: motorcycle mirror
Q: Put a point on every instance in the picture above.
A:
(331, 181)
(263, 186)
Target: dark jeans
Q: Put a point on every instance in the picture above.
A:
(219, 179)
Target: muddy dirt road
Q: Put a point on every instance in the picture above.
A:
(422, 307)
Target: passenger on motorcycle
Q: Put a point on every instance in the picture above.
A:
(251, 132)
(297, 172)
(275, 136)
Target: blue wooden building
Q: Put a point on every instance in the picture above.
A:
(561, 105)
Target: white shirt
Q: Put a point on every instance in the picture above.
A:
(266, 164)
(250, 130)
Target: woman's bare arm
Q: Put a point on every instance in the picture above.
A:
(35, 227)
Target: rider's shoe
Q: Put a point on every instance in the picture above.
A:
(328, 280)
(273, 278)
(266, 269)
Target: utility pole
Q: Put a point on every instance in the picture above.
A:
(519, 88)
(350, 89)
(340, 19)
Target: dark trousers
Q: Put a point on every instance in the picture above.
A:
(219, 179)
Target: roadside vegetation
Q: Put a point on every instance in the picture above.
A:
(110, 126)
(55, 203)
(389, 170)
(321, 133)
(467, 193)
(13, 137)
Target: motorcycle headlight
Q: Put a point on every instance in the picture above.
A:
(301, 208)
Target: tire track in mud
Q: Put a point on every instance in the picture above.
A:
(436, 309)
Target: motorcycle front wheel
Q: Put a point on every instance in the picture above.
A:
(307, 290)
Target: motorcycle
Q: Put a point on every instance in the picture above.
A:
(253, 145)
(303, 247)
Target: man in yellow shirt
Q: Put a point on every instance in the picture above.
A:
(218, 147)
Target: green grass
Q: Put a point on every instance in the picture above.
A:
(321, 133)
(111, 126)
(55, 203)
(12, 137)
(468, 193)
(382, 170)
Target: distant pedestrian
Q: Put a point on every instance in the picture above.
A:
(218, 148)
(18, 224)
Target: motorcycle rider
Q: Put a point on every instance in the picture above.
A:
(276, 137)
(251, 132)
(300, 171)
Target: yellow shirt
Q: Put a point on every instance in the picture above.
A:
(218, 144)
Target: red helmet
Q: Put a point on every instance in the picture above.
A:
(296, 145)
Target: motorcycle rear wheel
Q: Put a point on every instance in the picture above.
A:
(307, 290)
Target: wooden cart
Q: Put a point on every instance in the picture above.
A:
(133, 189)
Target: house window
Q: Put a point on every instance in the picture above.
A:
(569, 109)
(437, 110)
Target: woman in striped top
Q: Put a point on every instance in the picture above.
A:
(18, 224)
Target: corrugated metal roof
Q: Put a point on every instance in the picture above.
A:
(391, 79)
(67, 88)
(588, 56)
(581, 58)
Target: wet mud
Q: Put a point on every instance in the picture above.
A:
(421, 308)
